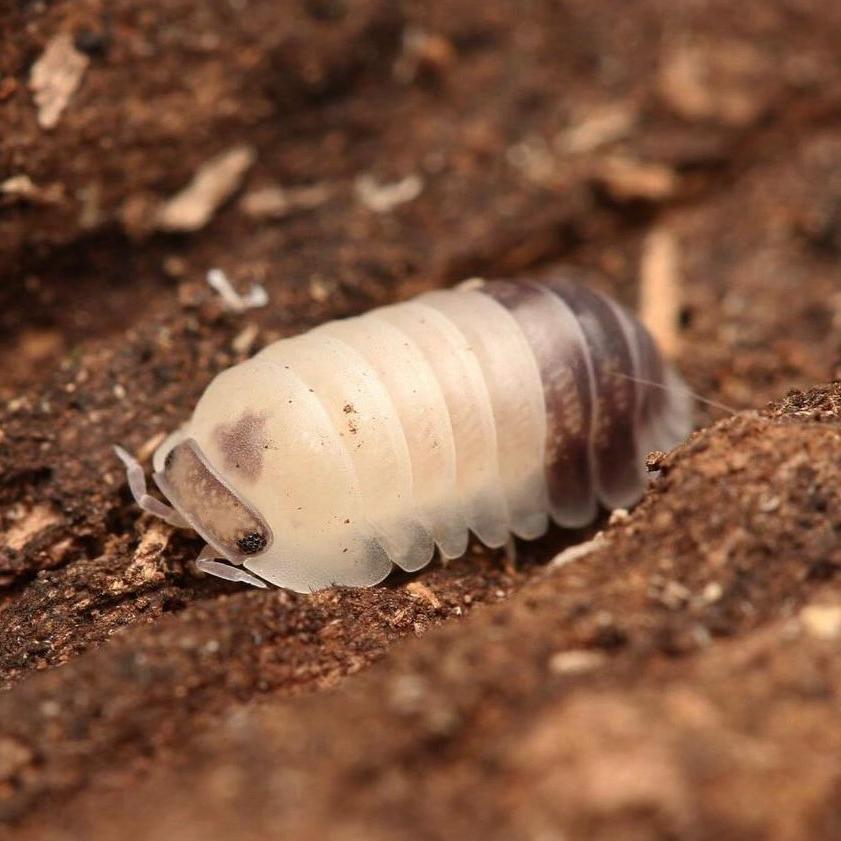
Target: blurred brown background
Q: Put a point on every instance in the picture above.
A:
(681, 680)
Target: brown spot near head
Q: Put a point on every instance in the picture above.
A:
(242, 443)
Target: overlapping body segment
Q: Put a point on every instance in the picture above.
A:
(370, 441)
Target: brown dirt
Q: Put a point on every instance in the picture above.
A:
(682, 681)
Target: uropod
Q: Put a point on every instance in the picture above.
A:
(330, 457)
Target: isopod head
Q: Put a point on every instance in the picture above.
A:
(260, 474)
(222, 517)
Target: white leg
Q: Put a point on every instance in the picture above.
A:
(226, 571)
(510, 550)
(137, 485)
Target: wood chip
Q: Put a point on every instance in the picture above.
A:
(244, 340)
(148, 447)
(54, 78)
(661, 290)
(234, 301)
(627, 179)
(21, 189)
(148, 563)
(595, 129)
(421, 591)
(576, 662)
(212, 185)
(276, 202)
(575, 553)
(726, 82)
(30, 524)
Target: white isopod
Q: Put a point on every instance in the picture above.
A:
(331, 456)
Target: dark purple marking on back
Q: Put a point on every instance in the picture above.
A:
(620, 475)
(242, 444)
(561, 354)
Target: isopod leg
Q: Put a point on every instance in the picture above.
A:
(510, 554)
(137, 485)
(226, 571)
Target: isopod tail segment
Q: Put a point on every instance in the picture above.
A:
(207, 559)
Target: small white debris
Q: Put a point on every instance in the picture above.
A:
(382, 198)
(244, 340)
(55, 77)
(576, 662)
(267, 203)
(533, 157)
(821, 621)
(618, 516)
(253, 299)
(212, 185)
(276, 202)
(769, 503)
(320, 289)
(724, 81)
(147, 561)
(580, 550)
(50, 709)
(712, 592)
(18, 185)
(675, 595)
(597, 128)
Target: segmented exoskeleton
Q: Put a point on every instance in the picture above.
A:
(365, 442)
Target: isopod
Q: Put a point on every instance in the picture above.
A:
(330, 457)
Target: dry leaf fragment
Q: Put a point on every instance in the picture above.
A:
(213, 184)
(628, 179)
(661, 290)
(55, 77)
(276, 202)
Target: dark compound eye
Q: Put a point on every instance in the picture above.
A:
(251, 543)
